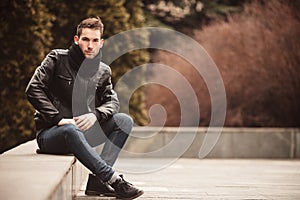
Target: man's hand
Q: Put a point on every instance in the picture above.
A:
(66, 121)
(86, 121)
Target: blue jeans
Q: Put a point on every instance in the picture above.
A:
(69, 139)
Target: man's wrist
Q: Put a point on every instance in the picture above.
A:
(64, 121)
(57, 119)
(96, 113)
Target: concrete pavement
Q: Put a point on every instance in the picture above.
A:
(211, 178)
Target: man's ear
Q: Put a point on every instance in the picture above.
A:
(76, 38)
(101, 43)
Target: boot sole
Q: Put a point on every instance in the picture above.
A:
(133, 197)
(95, 193)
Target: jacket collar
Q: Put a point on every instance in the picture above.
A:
(76, 57)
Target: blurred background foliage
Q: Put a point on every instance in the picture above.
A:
(255, 44)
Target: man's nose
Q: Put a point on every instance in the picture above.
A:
(90, 45)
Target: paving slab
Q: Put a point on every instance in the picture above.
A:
(211, 178)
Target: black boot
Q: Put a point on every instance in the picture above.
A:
(97, 187)
(125, 190)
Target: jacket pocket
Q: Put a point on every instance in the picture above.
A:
(65, 78)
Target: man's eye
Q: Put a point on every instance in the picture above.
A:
(96, 40)
(85, 39)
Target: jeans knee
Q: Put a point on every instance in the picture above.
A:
(71, 131)
(124, 122)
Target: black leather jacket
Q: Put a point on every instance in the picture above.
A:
(67, 85)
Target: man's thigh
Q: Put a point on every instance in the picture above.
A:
(53, 140)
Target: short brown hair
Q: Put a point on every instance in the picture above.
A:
(92, 22)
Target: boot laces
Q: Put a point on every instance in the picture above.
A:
(124, 182)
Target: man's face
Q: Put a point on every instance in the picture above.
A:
(90, 42)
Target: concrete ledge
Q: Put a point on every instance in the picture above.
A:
(27, 175)
(232, 143)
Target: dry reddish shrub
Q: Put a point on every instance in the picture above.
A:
(258, 55)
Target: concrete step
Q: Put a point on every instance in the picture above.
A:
(27, 175)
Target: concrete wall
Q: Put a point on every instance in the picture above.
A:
(231, 143)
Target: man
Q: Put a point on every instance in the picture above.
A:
(77, 109)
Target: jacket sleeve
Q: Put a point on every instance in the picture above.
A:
(36, 90)
(109, 102)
